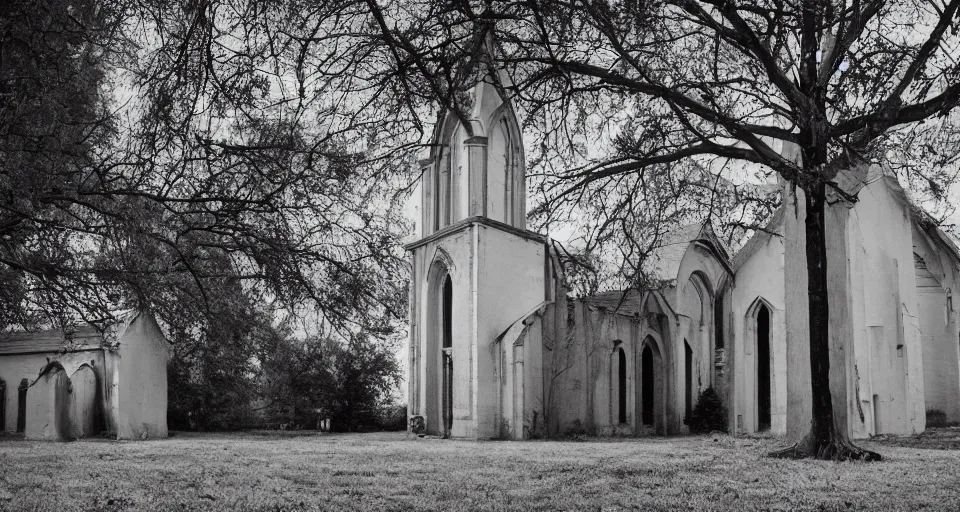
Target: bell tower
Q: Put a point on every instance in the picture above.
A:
(476, 269)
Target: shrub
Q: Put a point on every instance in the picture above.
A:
(709, 414)
(936, 418)
(393, 418)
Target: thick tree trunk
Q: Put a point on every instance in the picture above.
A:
(826, 439)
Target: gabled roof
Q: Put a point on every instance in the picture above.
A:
(927, 224)
(50, 340)
(80, 338)
(628, 302)
(920, 217)
(758, 240)
(665, 260)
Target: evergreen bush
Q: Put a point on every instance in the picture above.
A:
(709, 414)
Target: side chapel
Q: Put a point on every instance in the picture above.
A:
(499, 350)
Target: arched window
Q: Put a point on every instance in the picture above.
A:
(718, 319)
(447, 313)
(444, 188)
(622, 386)
(647, 385)
(763, 368)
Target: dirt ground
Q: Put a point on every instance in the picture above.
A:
(312, 471)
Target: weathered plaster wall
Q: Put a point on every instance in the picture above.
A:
(510, 283)
(15, 368)
(695, 309)
(941, 375)
(453, 255)
(582, 382)
(760, 278)
(936, 277)
(497, 276)
(85, 409)
(886, 389)
(142, 380)
(48, 407)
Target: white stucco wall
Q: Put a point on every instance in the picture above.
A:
(887, 376)
(759, 278)
(695, 324)
(937, 280)
(48, 407)
(584, 371)
(15, 368)
(85, 399)
(142, 380)
(510, 283)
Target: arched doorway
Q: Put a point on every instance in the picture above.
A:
(652, 390)
(687, 381)
(22, 405)
(647, 400)
(763, 368)
(447, 358)
(621, 386)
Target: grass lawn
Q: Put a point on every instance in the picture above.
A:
(296, 471)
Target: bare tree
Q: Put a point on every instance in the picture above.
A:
(678, 83)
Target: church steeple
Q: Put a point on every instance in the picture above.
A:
(475, 265)
(475, 167)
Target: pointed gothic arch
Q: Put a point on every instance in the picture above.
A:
(621, 384)
(440, 346)
(652, 385)
(699, 351)
(505, 195)
(761, 371)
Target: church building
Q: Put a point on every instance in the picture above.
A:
(57, 385)
(499, 350)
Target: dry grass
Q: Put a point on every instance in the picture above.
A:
(291, 471)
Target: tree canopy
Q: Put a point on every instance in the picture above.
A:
(154, 154)
(204, 143)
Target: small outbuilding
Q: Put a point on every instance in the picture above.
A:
(60, 385)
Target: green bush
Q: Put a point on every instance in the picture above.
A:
(709, 414)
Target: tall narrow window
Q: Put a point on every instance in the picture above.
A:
(447, 357)
(445, 191)
(622, 386)
(441, 189)
(646, 392)
(507, 174)
(447, 313)
(22, 405)
(688, 380)
(763, 368)
(718, 320)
